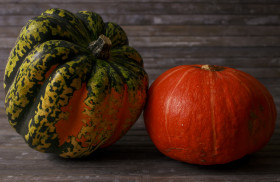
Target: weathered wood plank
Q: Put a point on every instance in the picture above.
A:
(135, 1)
(200, 30)
(10, 31)
(123, 159)
(179, 30)
(208, 52)
(148, 19)
(197, 52)
(178, 41)
(140, 178)
(236, 62)
(203, 41)
(142, 8)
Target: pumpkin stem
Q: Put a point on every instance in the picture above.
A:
(212, 67)
(101, 47)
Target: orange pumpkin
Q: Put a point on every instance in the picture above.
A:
(205, 114)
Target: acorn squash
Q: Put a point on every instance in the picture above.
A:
(72, 83)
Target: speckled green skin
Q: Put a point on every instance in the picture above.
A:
(51, 74)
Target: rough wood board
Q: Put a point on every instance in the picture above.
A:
(134, 156)
(183, 41)
(180, 30)
(148, 19)
(143, 8)
(134, 1)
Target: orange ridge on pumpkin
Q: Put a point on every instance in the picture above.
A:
(72, 125)
(122, 115)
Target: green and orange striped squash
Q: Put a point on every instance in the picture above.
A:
(72, 83)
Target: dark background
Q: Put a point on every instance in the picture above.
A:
(243, 34)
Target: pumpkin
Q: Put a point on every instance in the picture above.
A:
(207, 114)
(72, 83)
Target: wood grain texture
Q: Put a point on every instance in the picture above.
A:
(181, 30)
(243, 34)
(183, 41)
(149, 1)
(144, 8)
(164, 19)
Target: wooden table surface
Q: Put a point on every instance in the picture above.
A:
(241, 34)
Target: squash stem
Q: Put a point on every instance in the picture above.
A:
(212, 67)
(101, 47)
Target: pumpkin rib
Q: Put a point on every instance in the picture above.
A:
(228, 109)
(263, 90)
(128, 80)
(69, 20)
(127, 54)
(244, 93)
(116, 135)
(56, 30)
(268, 99)
(128, 74)
(116, 86)
(172, 71)
(133, 78)
(32, 74)
(212, 104)
(117, 127)
(126, 71)
(97, 87)
(128, 64)
(245, 90)
(233, 85)
(31, 37)
(168, 99)
(116, 34)
(46, 108)
(117, 71)
(93, 22)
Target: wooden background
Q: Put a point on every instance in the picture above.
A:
(244, 34)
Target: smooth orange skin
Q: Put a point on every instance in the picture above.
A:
(208, 117)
